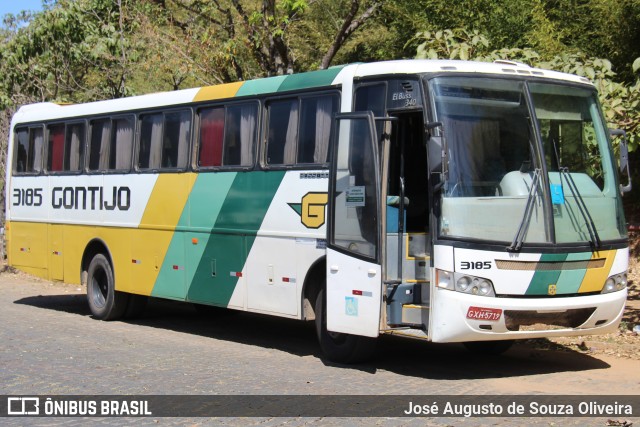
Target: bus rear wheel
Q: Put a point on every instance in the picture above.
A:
(339, 347)
(104, 301)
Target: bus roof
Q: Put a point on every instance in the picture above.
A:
(322, 78)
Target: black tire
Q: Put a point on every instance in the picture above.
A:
(491, 348)
(104, 301)
(338, 347)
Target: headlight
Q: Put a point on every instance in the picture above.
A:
(465, 283)
(443, 279)
(485, 288)
(462, 284)
(615, 283)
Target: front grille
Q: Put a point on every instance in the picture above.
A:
(532, 320)
(549, 265)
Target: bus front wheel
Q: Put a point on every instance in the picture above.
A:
(104, 301)
(339, 347)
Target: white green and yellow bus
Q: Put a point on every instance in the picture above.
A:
(445, 200)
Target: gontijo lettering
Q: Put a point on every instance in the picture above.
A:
(91, 198)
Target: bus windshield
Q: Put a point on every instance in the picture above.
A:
(527, 162)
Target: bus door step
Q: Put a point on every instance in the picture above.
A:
(415, 314)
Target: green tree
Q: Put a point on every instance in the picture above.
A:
(256, 38)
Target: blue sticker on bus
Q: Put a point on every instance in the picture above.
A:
(557, 195)
(350, 306)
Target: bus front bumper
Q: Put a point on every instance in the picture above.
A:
(459, 317)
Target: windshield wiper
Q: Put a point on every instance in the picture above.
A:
(526, 217)
(582, 207)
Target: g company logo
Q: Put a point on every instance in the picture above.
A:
(311, 209)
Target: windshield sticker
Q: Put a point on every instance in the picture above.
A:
(557, 195)
(355, 196)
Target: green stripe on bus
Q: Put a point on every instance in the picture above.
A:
(258, 87)
(311, 79)
(233, 234)
(291, 82)
(543, 279)
(570, 280)
(247, 201)
(199, 213)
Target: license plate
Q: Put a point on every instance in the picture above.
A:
(481, 313)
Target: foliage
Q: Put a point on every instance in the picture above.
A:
(76, 51)
(451, 44)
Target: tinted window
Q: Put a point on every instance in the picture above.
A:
(239, 135)
(74, 147)
(164, 140)
(121, 144)
(28, 150)
(111, 144)
(55, 148)
(315, 128)
(227, 135)
(177, 134)
(150, 150)
(99, 144)
(211, 137)
(282, 132)
(299, 130)
(21, 157)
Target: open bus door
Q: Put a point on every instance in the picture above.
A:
(354, 271)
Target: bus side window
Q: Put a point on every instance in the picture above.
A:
(177, 135)
(21, 159)
(74, 147)
(282, 132)
(372, 97)
(211, 137)
(315, 128)
(239, 135)
(55, 149)
(99, 144)
(150, 149)
(164, 140)
(121, 144)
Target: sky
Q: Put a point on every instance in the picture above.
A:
(16, 6)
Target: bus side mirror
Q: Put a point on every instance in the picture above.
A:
(624, 157)
(437, 154)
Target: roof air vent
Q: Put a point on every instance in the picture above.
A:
(508, 62)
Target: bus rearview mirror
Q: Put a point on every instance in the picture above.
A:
(624, 157)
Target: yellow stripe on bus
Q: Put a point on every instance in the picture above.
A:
(160, 218)
(595, 277)
(217, 92)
